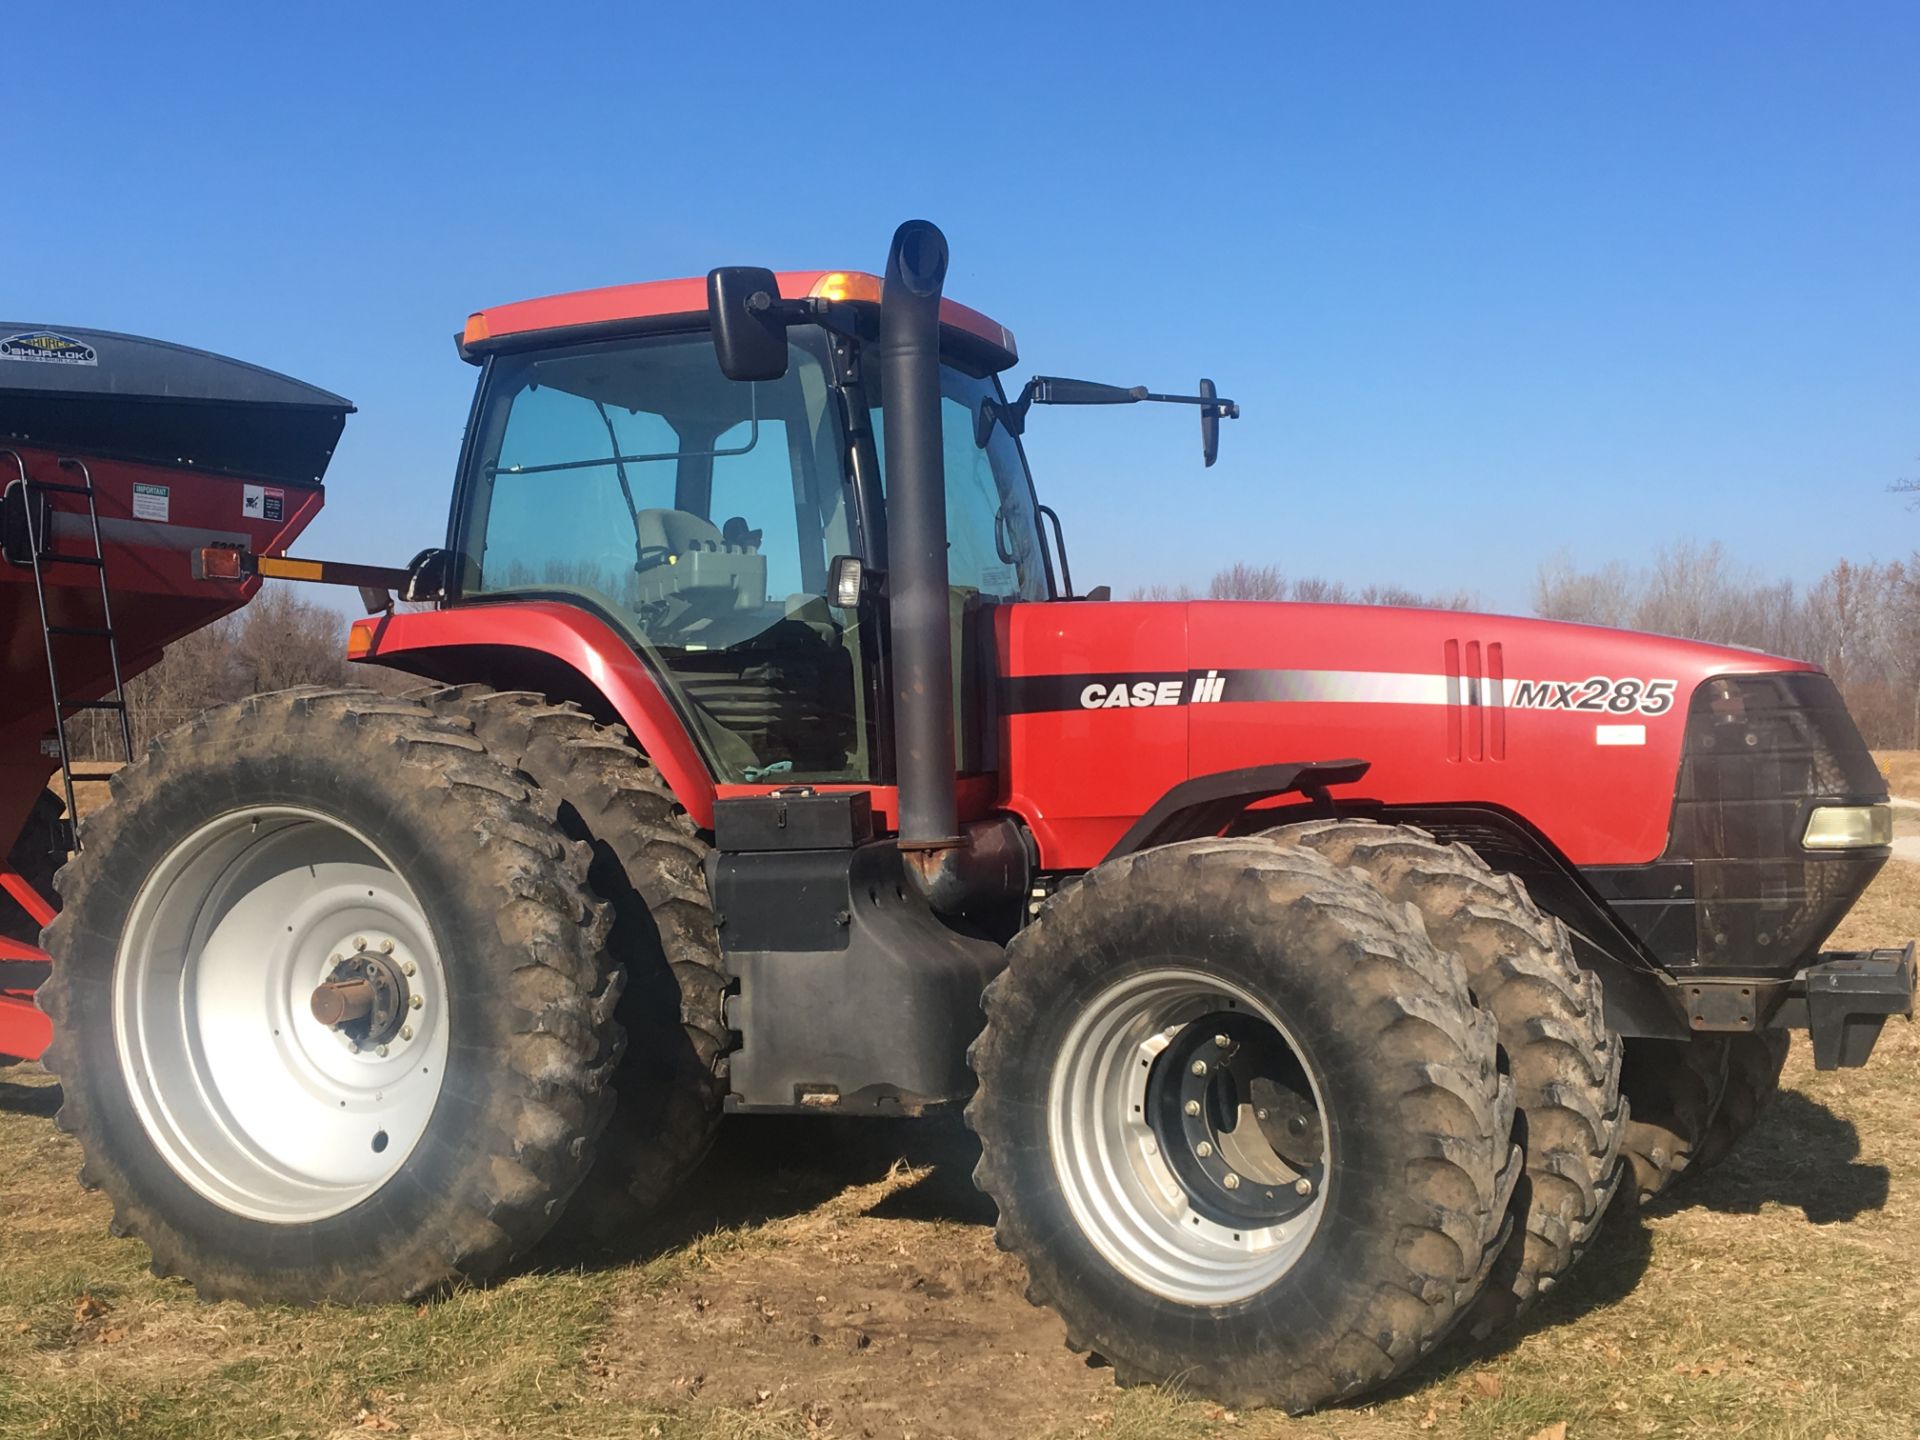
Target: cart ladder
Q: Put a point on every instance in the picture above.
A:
(40, 547)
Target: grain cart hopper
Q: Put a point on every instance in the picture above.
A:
(762, 742)
(120, 459)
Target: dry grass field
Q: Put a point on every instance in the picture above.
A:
(821, 1281)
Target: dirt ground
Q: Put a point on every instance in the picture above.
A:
(831, 1279)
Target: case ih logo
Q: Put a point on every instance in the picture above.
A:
(48, 348)
(1200, 690)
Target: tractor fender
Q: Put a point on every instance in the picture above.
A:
(559, 650)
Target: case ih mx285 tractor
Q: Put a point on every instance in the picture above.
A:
(1312, 976)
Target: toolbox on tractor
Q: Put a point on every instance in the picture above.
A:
(120, 459)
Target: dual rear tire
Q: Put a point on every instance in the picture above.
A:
(338, 990)
(1245, 1125)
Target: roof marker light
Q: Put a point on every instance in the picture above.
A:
(846, 285)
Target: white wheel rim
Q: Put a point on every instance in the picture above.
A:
(252, 1101)
(1113, 1167)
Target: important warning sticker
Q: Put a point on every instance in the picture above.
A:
(151, 502)
(262, 502)
(47, 348)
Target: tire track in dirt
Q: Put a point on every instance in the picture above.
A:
(882, 1310)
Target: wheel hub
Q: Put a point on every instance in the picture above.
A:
(365, 997)
(1236, 1120)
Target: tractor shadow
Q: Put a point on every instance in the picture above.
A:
(1800, 1155)
(37, 1096)
(764, 1169)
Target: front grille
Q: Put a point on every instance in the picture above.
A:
(1735, 891)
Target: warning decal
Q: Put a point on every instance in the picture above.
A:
(262, 502)
(151, 502)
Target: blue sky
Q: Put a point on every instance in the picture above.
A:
(1489, 280)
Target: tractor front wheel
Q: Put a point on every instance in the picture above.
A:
(1243, 1123)
(331, 1008)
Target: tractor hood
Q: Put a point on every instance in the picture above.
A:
(1577, 728)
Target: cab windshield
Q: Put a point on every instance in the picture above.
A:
(700, 515)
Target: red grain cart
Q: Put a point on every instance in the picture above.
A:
(120, 459)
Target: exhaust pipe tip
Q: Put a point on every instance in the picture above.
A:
(918, 259)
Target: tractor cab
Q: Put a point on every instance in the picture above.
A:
(733, 532)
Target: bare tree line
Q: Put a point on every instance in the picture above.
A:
(1860, 622)
(282, 639)
(1240, 581)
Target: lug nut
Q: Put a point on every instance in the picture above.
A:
(1193, 1107)
(406, 1032)
(1199, 1067)
(1222, 1041)
(1232, 1182)
(417, 1001)
(359, 942)
(1303, 1186)
(382, 1050)
(1203, 1149)
(408, 968)
(386, 947)
(333, 959)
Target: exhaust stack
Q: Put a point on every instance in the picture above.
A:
(909, 353)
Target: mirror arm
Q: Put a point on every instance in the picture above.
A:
(787, 312)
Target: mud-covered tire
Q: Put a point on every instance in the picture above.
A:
(1673, 1088)
(1564, 1061)
(37, 854)
(1415, 1113)
(1754, 1063)
(506, 928)
(649, 866)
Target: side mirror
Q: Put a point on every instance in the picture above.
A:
(1209, 422)
(749, 328)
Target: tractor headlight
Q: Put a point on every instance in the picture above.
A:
(1849, 827)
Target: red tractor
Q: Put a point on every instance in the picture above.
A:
(766, 744)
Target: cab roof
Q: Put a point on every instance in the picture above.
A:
(616, 308)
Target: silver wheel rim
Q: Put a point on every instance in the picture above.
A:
(251, 1100)
(1153, 1223)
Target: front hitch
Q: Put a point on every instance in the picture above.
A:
(1843, 1000)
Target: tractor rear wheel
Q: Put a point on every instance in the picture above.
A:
(1754, 1063)
(1564, 1061)
(1243, 1123)
(331, 1006)
(1673, 1088)
(649, 866)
